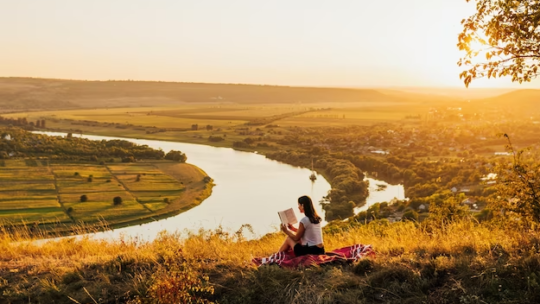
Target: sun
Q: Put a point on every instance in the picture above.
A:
(477, 45)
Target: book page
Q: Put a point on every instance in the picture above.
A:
(287, 217)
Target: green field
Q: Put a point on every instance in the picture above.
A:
(49, 194)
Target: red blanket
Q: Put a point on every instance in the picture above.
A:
(342, 255)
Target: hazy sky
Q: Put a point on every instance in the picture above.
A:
(289, 42)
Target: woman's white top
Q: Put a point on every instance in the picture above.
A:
(313, 234)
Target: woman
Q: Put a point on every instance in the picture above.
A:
(307, 239)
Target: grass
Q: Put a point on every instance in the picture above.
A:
(28, 186)
(159, 117)
(81, 172)
(52, 193)
(31, 202)
(156, 205)
(23, 175)
(93, 211)
(463, 262)
(83, 186)
(41, 215)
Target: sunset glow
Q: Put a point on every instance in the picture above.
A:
(309, 43)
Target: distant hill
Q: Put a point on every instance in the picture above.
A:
(453, 93)
(528, 98)
(36, 94)
(420, 96)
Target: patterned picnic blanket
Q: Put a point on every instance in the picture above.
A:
(342, 255)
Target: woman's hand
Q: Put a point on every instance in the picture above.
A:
(284, 228)
(291, 227)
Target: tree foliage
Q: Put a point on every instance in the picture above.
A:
(448, 210)
(176, 156)
(117, 200)
(518, 186)
(510, 37)
(26, 143)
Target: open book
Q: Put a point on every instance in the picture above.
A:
(287, 217)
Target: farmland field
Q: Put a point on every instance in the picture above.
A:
(225, 121)
(221, 116)
(53, 193)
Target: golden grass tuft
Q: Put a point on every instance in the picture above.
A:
(464, 260)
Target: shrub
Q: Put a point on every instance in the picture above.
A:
(84, 198)
(128, 159)
(69, 210)
(76, 174)
(410, 215)
(207, 179)
(176, 156)
(166, 200)
(90, 178)
(117, 200)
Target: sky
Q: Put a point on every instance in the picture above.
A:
(341, 43)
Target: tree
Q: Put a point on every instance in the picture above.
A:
(518, 186)
(117, 200)
(507, 34)
(176, 156)
(448, 210)
(84, 198)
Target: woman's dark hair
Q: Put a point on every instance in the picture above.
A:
(309, 211)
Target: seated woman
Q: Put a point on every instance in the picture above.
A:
(307, 239)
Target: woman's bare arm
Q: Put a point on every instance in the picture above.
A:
(292, 228)
(294, 236)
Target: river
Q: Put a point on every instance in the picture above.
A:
(250, 189)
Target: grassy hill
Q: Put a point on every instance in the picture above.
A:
(462, 262)
(36, 94)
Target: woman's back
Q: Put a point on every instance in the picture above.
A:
(313, 232)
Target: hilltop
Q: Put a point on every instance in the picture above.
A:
(35, 94)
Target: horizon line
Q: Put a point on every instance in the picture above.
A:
(272, 85)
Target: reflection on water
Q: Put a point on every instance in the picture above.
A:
(250, 189)
(389, 193)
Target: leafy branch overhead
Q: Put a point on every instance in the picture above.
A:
(507, 34)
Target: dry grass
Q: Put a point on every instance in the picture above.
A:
(464, 262)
